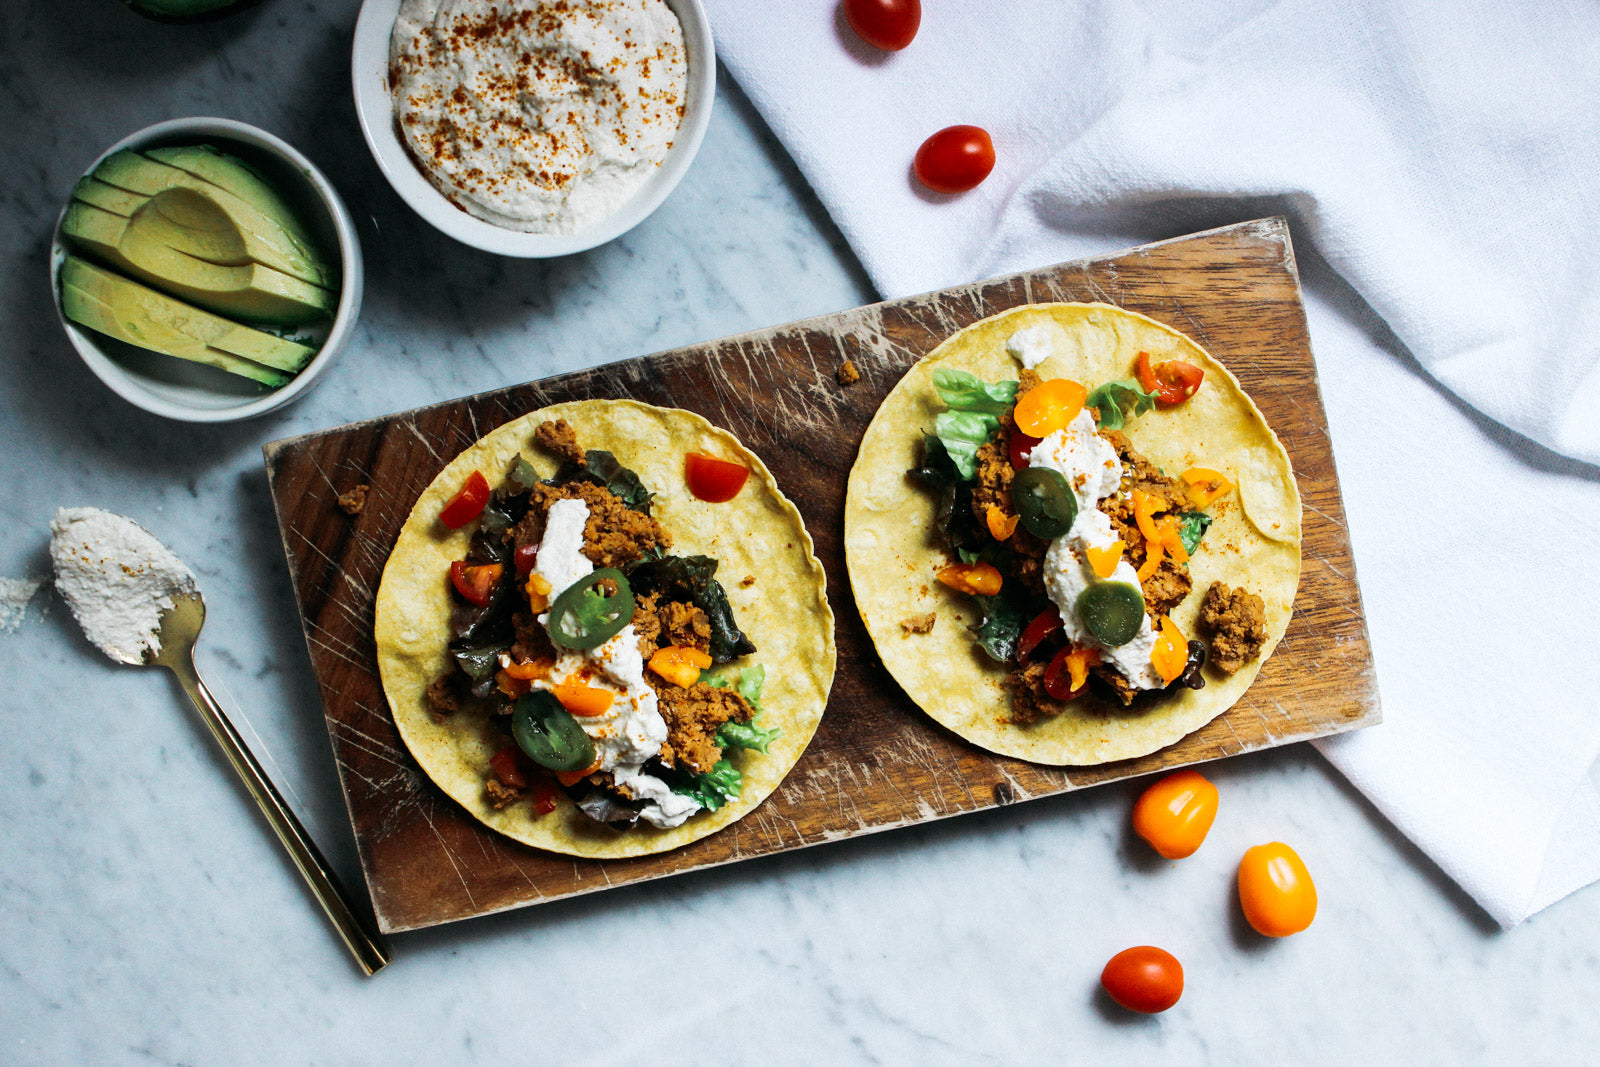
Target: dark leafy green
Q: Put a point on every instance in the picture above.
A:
(549, 734)
(1004, 616)
(954, 516)
(1119, 398)
(692, 579)
(1192, 526)
(603, 469)
(716, 787)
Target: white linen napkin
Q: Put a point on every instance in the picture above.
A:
(1444, 160)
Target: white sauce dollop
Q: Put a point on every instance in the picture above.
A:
(1089, 464)
(631, 731)
(116, 578)
(1031, 346)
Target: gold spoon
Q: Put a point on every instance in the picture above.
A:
(180, 628)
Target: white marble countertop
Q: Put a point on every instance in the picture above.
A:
(150, 917)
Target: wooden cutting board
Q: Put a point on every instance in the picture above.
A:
(877, 762)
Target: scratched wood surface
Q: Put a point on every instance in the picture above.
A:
(876, 762)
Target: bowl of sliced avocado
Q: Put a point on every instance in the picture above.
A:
(205, 270)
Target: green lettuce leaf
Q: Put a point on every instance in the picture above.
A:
(1114, 399)
(750, 734)
(1191, 527)
(973, 416)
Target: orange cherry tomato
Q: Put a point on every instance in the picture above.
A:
(955, 159)
(1276, 891)
(886, 24)
(583, 700)
(1049, 406)
(468, 502)
(1144, 978)
(1173, 382)
(1175, 814)
(714, 480)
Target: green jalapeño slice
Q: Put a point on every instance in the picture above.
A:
(584, 616)
(549, 734)
(1112, 612)
(1044, 502)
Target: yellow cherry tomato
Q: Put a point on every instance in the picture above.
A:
(1176, 813)
(1275, 890)
(1049, 406)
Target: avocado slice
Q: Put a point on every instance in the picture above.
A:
(275, 237)
(187, 10)
(207, 265)
(121, 308)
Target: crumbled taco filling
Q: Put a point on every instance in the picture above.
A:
(591, 648)
(1075, 545)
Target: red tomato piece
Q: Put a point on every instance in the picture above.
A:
(1173, 382)
(1044, 624)
(886, 24)
(1175, 814)
(544, 794)
(714, 480)
(1021, 447)
(524, 558)
(506, 766)
(468, 502)
(475, 582)
(955, 159)
(1144, 978)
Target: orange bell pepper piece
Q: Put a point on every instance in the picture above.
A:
(1105, 560)
(1171, 538)
(1049, 406)
(538, 592)
(975, 579)
(1001, 526)
(574, 777)
(583, 700)
(1079, 660)
(1145, 507)
(679, 665)
(1205, 485)
(1153, 555)
(1170, 654)
(515, 679)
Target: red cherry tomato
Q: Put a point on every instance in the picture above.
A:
(507, 766)
(1044, 624)
(524, 559)
(1021, 447)
(1144, 978)
(1276, 891)
(1175, 814)
(468, 502)
(714, 480)
(1173, 382)
(955, 159)
(475, 582)
(886, 24)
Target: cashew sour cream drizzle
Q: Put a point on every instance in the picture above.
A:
(632, 730)
(1093, 472)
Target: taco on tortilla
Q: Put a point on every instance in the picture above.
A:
(585, 655)
(1071, 535)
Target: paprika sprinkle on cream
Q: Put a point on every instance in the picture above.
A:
(542, 116)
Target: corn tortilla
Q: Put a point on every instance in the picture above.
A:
(892, 548)
(759, 532)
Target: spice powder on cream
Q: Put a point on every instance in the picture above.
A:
(542, 116)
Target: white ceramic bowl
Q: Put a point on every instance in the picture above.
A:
(369, 71)
(182, 390)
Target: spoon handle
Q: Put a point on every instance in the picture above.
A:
(368, 948)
